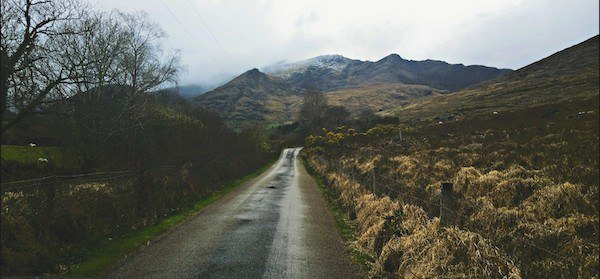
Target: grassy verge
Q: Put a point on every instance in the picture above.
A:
(101, 258)
(341, 219)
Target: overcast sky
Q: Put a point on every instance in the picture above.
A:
(255, 33)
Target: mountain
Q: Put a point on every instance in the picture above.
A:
(275, 96)
(326, 72)
(191, 91)
(253, 97)
(335, 63)
(433, 73)
(333, 72)
(568, 76)
(413, 90)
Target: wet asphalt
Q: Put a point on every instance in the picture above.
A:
(275, 226)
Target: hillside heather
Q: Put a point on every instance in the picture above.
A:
(525, 183)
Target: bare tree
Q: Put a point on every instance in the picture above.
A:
(124, 50)
(119, 60)
(31, 71)
(53, 49)
(313, 111)
(144, 66)
(336, 116)
(97, 52)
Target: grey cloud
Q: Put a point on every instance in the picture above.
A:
(255, 33)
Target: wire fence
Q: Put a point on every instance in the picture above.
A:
(60, 213)
(20, 185)
(435, 207)
(104, 203)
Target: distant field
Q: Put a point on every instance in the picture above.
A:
(381, 96)
(30, 155)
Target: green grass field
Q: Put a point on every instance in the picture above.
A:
(23, 162)
(30, 155)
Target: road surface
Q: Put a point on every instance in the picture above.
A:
(275, 226)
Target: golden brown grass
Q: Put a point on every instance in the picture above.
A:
(380, 96)
(526, 187)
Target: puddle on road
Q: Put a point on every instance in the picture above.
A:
(242, 221)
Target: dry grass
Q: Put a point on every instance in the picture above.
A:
(432, 251)
(406, 243)
(380, 96)
(527, 194)
(522, 152)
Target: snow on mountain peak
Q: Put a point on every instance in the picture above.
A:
(334, 62)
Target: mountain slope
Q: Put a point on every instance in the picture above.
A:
(333, 72)
(325, 73)
(335, 63)
(252, 97)
(191, 91)
(380, 96)
(436, 74)
(568, 75)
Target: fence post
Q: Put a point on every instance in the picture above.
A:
(50, 199)
(375, 189)
(447, 205)
(140, 192)
(351, 213)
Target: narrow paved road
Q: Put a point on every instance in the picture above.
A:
(275, 226)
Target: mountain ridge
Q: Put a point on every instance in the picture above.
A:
(334, 72)
(274, 96)
(407, 88)
(564, 76)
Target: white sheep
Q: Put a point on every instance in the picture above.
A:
(43, 160)
(32, 144)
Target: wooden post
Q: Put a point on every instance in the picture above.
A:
(399, 129)
(447, 205)
(140, 192)
(50, 202)
(375, 181)
(351, 213)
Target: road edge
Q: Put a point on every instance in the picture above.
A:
(107, 256)
(343, 225)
